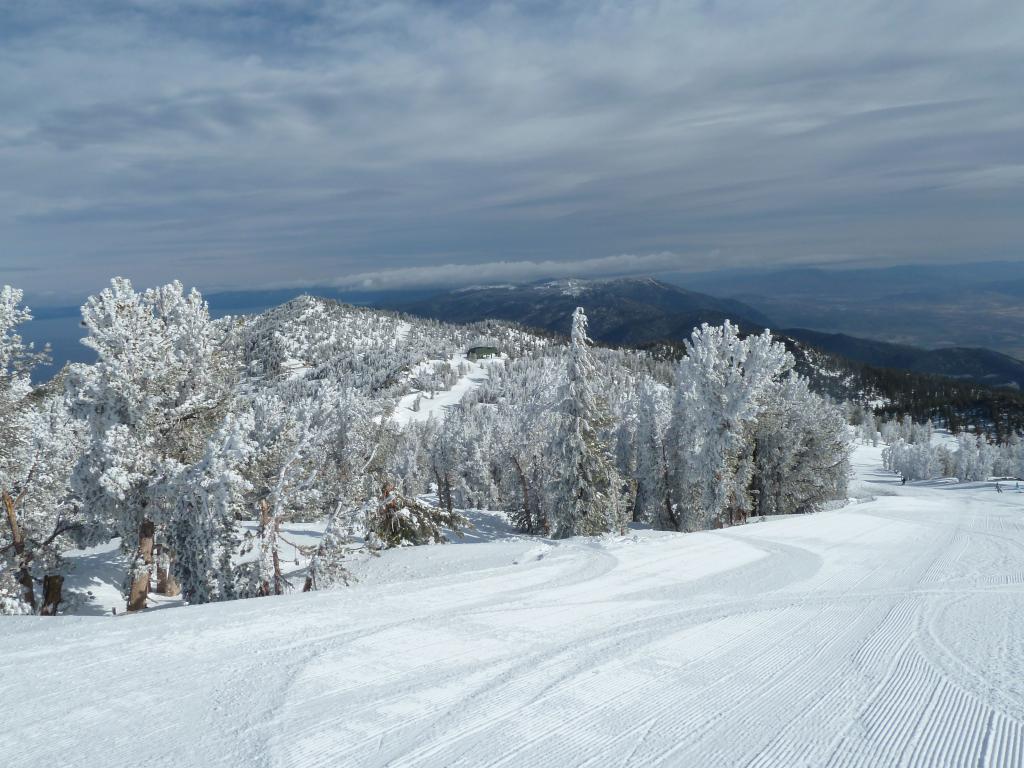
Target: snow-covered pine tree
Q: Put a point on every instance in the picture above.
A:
(525, 393)
(327, 564)
(1008, 457)
(721, 387)
(50, 516)
(965, 459)
(653, 503)
(209, 497)
(444, 460)
(38, 442)
(801, 450)
(586, 493)
(291, 432)
(409, 461)
(394, 520)
(986, 458)
(17, 589)
(475, 478)
(159, 387)
(914, 461)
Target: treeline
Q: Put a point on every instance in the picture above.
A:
(911, 450)
(186, 427)
(956, 405)
(952, 403)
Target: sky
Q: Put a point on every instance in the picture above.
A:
(238, 145)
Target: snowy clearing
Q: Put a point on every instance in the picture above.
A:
(890, 632)
(420, 406)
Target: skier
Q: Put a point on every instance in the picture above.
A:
(903, 479)
(998, 488)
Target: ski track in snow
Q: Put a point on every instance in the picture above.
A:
(886, 633)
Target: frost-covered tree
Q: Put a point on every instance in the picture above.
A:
(158, 389)
(208, 498)
(801, 450)
(394, 520)
(409, 460)
(327, 563)
(653, 502)
(445, 458)
(17, 589)
(965, 459)
(867, 426)
(317, 448)
(914, 461)
(525, 415)
(1007, 458)
(39, 442)
(387, 519)
(722, 386)
(473, 484)
(587, 490)
(287, 474)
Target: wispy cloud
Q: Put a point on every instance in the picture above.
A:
(513, 271)
(240, 143)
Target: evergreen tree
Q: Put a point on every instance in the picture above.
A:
(653, 503)
(209, 497)
(721, 388)
(39, 443)
(586, 494)
(157, 391)
(801, 450)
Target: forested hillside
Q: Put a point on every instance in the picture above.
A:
(647, 312)
(973, 365)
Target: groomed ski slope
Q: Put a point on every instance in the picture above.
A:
(890, 632)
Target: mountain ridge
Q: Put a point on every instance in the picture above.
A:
(639, 311)
(630, 311)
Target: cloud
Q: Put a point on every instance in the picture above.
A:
(237, 144)
(512, 271)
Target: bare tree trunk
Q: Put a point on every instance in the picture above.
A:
(633, 489)
(166, 584)
(278, 580)
(543, 526)
(53, 587)
(270, 526)
(526, 494)
(140, 584)
(670, 512)
(161, 568)
(264, 522)
(444, 489)
(18, 540)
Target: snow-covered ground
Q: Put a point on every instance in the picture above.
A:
(889, 632)
(420, 406)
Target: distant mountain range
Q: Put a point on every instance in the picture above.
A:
(983, 366)
(639, 311)
(629, 311)
(879, 317)
(954, 305)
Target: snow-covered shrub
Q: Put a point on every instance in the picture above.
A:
(394, 520)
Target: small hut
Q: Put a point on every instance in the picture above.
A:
(481, 352)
